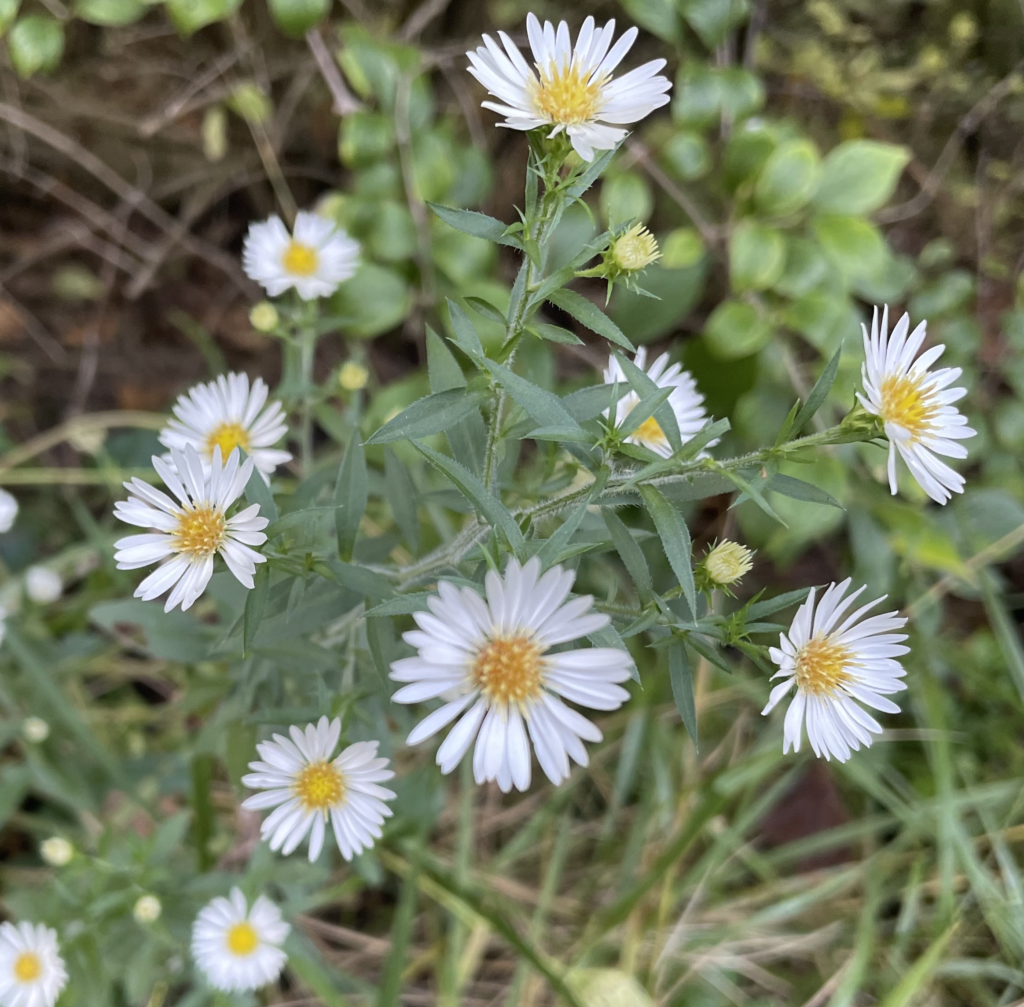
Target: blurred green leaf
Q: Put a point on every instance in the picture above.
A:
(681, 679)
(626, 197)
(859, 176)
(8, 12)
(788, 178)
(852, 243)
(350, 495)
(757, 256)
(735, 329)
(677, 291)
(188, 16)
(109, 13)
(656, 16)
(680, 249)
(36, 44)
(686, 154)
(712, 20)
(375, 300)
(296, 17)
(629, 552)
(479, 225)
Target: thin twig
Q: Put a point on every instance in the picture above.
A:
(420, 18)
(345, 102)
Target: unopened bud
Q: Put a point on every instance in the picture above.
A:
(728, 562)
(43, 585)
(147, 909)
(353, 376)
(56, 851)
(607, 988)
(635, 250)
(35, 729)
(264, 317)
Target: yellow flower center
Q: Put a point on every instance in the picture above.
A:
(509, 670)
(242, 939)
(319, 786)
(904, 404)
(649, 433)
(227, 437)
(27, 967)
(299, 260)
(565, 94)
(821, 666)
(201, 531)
(636, 249)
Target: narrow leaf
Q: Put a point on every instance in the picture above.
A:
(255, 604)
(465, 333)
(433, 414)
(629, 552)
(258, 492)
(675, 540)
(821, 388)
(682, 688)
(645, 386)
(401, 494)
(350, 495)
(479, 225)
(797, 489)
(590, 315)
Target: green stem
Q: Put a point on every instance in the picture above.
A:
(306, 338)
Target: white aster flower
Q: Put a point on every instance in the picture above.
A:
(836, 666)
(685, 402)
(32, 972)
(573, 89)
(915, 405)
(307, 787)
(8, 510)
(490, 661)
(314, 258)
(238, 948)
(228, 414)
(43, 585)
(189, 532)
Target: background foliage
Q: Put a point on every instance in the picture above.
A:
(817, 157)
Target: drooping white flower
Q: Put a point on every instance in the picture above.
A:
(490, 662)
(238, 948)
(189, 532)
(686, 402)
(314, 258)
(32, 972)
(915, 405)
(573, 88)
(43, 585)
(228, 414)
(836, 664)
(308, 787)
(8, 510)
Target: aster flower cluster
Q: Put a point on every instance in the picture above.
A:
(509, 663)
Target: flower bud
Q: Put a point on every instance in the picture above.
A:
(353, 376)
(727, 563)
(264, 317)
(35, 729)
(43, 585)
(147, 909)
(56, 851)
(634, 250)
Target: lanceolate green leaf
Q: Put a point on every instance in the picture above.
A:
(590, 315)
(477, 224)
(255, 605)
(818, 393)
(682, 688)
(645, 387)
(488, 505)
(629, 552)
(675, 539)
(797, 489)
(350, 495)
(432, 414)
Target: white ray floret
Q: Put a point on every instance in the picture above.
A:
(839, 663)
(189, 531)
(491, 663)
(686, 402)
(573, 88)
(32, 972)
(915, 405)
(238, 948)
(314, 259)
(309, 789)
(228, 413)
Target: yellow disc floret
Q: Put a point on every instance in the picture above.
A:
(201, 531)
(242, 939)
(27, 967)
(319, 786)
(566, 94)
(907, 406)
(509, 669)
(227, 437)
(821, 666)
(299, 260)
